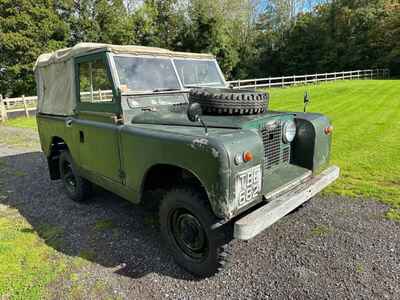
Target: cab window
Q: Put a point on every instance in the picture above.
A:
(94, 83)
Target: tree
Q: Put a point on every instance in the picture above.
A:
(27, 29)
(101, 21)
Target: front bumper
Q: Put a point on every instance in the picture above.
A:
(284, 202)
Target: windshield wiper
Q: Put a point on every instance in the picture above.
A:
(166, 90)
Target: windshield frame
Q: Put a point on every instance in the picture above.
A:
(182, 87)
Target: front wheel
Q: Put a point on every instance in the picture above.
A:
(77, 188)
(186, 226)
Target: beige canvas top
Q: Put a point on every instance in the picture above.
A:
(85, 48)
(55, 76)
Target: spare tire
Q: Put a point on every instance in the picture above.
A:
(229, 101)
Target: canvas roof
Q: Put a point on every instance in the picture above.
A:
(55, 76)
(86, 48)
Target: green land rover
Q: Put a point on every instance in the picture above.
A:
(164, 129)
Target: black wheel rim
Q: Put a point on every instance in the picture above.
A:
(69, 177)
(189, 234)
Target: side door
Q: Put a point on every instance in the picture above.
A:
(96, 131)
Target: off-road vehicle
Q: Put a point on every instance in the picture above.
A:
(160, 127)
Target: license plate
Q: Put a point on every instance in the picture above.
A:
(248, 185)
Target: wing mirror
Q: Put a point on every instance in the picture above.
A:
(194, 113)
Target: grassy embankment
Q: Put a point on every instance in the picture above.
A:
(366, 141)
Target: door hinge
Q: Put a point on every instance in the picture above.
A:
(121, 174)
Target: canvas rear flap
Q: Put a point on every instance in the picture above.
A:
(56, 88)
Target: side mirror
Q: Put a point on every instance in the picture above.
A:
(194, 112)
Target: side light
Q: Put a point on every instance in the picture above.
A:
(328, 130)
(247, 156)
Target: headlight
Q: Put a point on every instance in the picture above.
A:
(289, 131)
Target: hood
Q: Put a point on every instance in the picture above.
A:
(179, 118)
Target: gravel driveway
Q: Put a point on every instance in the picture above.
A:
(332, 248)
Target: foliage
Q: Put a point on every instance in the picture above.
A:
(27, 29)
(365, 115)
(334, 36)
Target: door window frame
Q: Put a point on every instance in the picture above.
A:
(113, 106)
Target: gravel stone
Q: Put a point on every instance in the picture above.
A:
(332, 248)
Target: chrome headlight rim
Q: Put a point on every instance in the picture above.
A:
(289, 131)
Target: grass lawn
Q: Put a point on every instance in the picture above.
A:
(366, 141)
(27, 264)
(22, 122)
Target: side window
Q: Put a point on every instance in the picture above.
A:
(94, 84)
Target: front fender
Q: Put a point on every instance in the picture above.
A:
(204, 156)
(311, 147)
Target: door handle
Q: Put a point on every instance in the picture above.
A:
(117, 120)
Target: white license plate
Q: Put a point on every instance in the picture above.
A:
(248, 185)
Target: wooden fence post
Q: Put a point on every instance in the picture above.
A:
(25, 107)
(3, 111)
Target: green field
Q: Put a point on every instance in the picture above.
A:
(22, 122)
(366, 140)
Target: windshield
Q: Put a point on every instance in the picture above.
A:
(198, 72)
(146, 74)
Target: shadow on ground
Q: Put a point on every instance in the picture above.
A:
(106, 230)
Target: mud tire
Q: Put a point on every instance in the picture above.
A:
(217, 101)
(76, 187)
(215, 254)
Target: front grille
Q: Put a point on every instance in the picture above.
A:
(275, 151)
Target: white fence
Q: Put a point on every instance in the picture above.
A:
(28, 104)
(312, 78)
(12, 105)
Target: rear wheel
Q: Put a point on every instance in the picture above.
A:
(186, 226)
(77, 188)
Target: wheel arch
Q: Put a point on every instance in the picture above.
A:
(166, 176)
